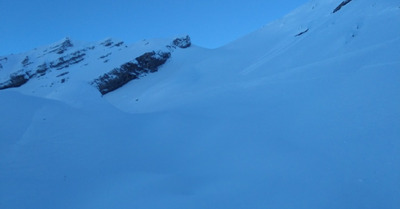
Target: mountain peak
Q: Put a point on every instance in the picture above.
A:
(59, 61)
(303, 113)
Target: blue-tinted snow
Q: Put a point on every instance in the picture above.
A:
(269, 121)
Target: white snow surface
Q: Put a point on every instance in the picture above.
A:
(272, 120)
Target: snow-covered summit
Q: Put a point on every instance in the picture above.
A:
(303, 113)
(310, 42)
(46, 68)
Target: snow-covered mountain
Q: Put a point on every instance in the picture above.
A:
(303, 113)
(107, 65)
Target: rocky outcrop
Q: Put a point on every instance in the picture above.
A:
(42, 69)
(301, 33)
(144, 64)
(341, 5)
(20, 78)
(107, 42)
(66, 61)
(62, 74)
(26, 62)
(119, 44)
(16, 80)
(150, 61)
(184, 42)
(2, 59)
(61, 48)
(56, 61)
(110, 43)
(105, 56)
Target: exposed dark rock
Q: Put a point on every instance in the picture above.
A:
(151, 60)
(171, 48)
(2, 59)
(146, 63)
(16, 80)
(61, 48)
(42, 69)
(182, 42)
(301, 33)
(90, 48)
(104, 56)
(30, 74)
(119, 44)
(62, 74)
(66, 61)
(341, 5)
(110, 43)
(116, 78)
(60, 63)
(26, 62)
(20, 78)
(107, 42)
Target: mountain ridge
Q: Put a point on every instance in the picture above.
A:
(63, 56)
(303, 113)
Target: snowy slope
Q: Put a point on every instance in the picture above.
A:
(52, 71)
(275, 52)
(303, 113)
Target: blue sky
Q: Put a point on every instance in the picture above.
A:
(26, 24)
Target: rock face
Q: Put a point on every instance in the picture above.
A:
(41, 69)
(61, 48)
(110, 43)
(182, 42)
(16, 80)
(144, 64)
(26, 62)
(152, 60)
(341, 5)
(301, 33)
(52, 64)
(20, 78)
(68, 60)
